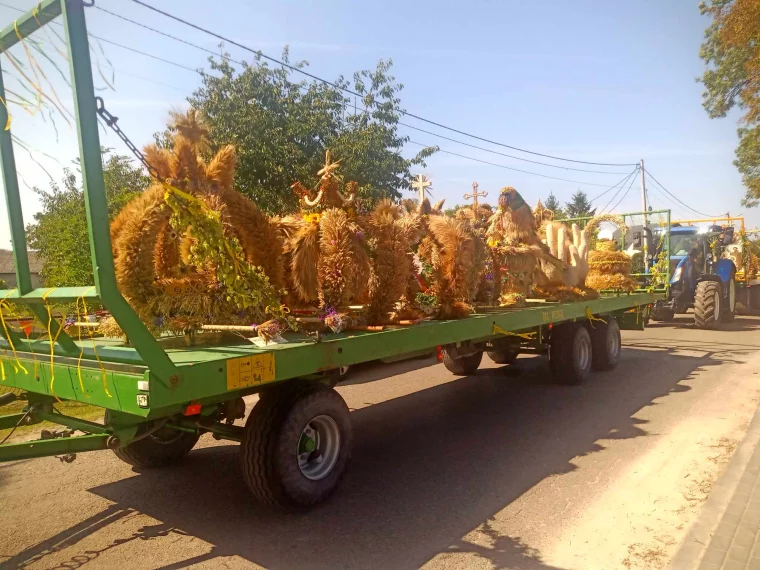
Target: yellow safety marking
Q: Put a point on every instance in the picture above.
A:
(250, 371)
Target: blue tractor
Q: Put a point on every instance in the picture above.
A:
(700, 278)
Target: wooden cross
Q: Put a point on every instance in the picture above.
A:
(421, 183)
(475, 194)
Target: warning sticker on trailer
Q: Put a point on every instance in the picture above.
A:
(250, 371)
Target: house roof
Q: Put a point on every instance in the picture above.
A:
(8, 266)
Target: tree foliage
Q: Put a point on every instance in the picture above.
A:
(731, 52)
(282, 128)
(59, 232)
(579, 206)
(553, 204)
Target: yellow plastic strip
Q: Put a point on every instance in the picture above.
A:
(592, 318)
(8, 335)
(52, 340)
(527, 336)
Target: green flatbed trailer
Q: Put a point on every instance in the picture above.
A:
(160, 394)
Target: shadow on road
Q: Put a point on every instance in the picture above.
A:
(739, 324)
(427, 469)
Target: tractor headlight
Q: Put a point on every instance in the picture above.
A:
(677, 274)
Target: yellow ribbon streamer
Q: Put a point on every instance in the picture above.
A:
(527, 336)
(8, 336)
(95, 350)
(591, 318)
(52, 340)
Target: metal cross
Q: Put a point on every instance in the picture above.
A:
(475, 194)
(421, 183)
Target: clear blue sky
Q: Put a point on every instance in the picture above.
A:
(597, 81)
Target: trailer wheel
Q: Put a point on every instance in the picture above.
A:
(707, 305)
(296, 446)
(507, 356)
(570, 353)
(663, 314)
(464, 365)
(605, 344)
(729, 305)
(165, 447)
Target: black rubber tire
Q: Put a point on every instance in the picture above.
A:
(704, 305)
(268, 458)
(503, 356)
(565, 347)
(605, 344)
(464, 365)
(663, 314)
(153, 451)
(728, 313)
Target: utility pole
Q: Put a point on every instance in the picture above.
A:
(646, 218)
(643, 193)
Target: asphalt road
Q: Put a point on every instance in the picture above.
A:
(495, 470)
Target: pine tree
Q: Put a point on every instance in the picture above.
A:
(579, 206)
(553, 204)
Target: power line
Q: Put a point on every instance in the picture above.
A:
(504, 166)
(209, 51)
(676, 208)
(676, 197)
(107, 41)
(170, 36)
(507, 155)
(611, 188)
(618, 192)
(623, 196)
(354, 93)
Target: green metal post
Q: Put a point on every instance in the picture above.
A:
(57, 446)
(95, 196)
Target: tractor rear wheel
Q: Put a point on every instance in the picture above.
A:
(707, 305)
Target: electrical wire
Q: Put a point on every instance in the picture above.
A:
(506, 167)
(611, 188)
(206, 50)
(107, 41)
(675, 208)
(653, 179)
(354, 93)
(622, 197)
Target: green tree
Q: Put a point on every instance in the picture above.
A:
(731, 52)
(282, 128)
(553, 204)
(579, 206)
(59, 231)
